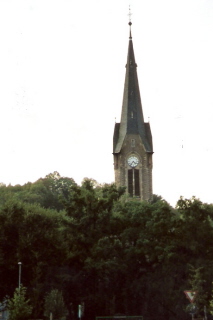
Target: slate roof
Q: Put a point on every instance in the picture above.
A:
(132, 121)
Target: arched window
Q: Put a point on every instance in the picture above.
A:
(133, 182)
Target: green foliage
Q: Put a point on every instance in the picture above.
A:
(34, 236)
(54, 303)
(48, 192)
(98, 248)
(19, 307)
(197, 284)
(211, 303)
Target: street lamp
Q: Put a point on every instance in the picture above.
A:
(19, 275)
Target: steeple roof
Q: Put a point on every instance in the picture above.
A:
(132, 121)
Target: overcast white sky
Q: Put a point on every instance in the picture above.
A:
(62, 69)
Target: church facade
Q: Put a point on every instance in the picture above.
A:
(132, 140)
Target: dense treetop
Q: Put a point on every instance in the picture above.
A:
(98, 247)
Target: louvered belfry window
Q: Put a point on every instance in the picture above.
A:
(137, 182)
(133, 182)
(130, 182)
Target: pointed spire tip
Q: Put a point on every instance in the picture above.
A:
(130, 23)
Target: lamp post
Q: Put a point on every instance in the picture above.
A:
(19, 275)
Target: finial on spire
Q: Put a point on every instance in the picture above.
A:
(130, 23)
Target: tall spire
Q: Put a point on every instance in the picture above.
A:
(132, 140)
(132, 121)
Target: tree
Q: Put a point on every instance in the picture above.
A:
(34, 236)
(48, 191)
(197, 284)
(19, 307)
(54, 303)
(111, 253)
(211, 303)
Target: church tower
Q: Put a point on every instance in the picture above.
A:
(132, 140)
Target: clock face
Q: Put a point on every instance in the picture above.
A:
(133, 161)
